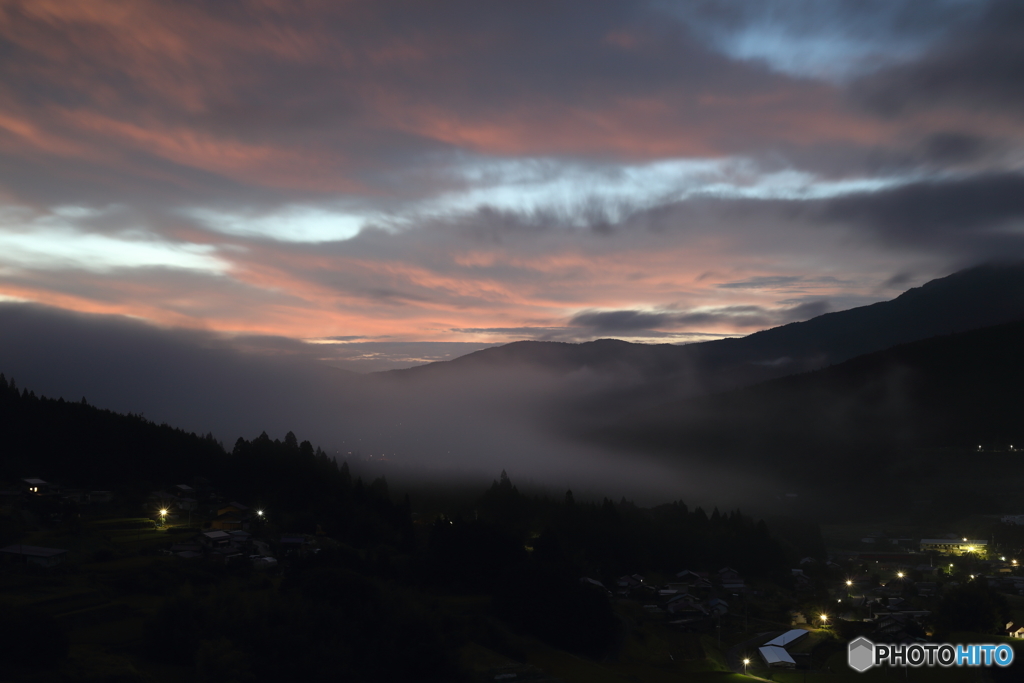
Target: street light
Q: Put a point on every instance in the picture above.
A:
(899, 575)
(745, 663)
(824, 619)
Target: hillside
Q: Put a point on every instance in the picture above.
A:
(919, 411)
(969, 299)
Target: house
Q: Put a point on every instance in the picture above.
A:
(730, 579)
(292, 543)
(215, 539)
(683, 598)
(31, 554)
(788, 638)
(1014, 633)
(728, 574)
(716, 607)
(628, 582)
(686, 609)
(228, 521)
(234, 515)
(776, 657)
(35, 486)
(954, 546)
(891, 627)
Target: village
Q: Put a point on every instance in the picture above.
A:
(889, 591)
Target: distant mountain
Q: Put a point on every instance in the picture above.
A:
(969, 299)
(926, 416)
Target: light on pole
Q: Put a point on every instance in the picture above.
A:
(746, 662)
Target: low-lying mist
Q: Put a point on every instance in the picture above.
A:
(417, 428)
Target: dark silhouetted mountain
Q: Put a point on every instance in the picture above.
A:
(969, 299)
(858, 423)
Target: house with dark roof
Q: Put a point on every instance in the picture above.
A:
(35, 486)
(31, 554)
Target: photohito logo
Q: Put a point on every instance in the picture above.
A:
(864, 654)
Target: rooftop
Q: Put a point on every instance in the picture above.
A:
(32, 550)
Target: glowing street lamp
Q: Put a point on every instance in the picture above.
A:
(824, 619)
(899, 575)
(746, 662)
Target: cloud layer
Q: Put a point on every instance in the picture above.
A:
(462, 173)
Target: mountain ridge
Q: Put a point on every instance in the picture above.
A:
(976, 297)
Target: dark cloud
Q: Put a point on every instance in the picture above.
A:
(978, 67)
(523, 332)
(782, 282)
(955, 148)
(898, 280)
(749, 316)
(617, 322)
(942, 214)
(761, 282)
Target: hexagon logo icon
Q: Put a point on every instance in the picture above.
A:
(861, 654)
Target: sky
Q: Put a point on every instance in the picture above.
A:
(386, 183)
